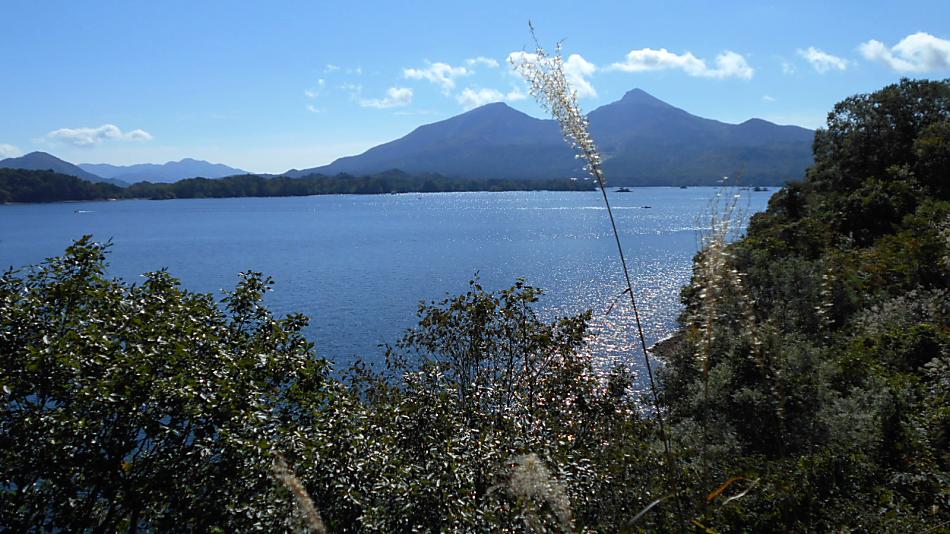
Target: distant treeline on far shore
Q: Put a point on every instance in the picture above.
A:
(19, 185)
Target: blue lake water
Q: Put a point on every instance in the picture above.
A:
(359, 265)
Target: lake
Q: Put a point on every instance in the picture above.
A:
(359, 265)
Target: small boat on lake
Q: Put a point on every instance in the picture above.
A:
(622, 190)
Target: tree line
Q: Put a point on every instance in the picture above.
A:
(19, 185)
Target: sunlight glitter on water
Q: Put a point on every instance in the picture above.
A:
(359, 265)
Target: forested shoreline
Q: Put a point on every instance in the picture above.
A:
(809, 390)
(19, 185)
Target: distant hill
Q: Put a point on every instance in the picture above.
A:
(643, 140)
(162, 173)
(41, 161)
(26, 185)
(20, 185)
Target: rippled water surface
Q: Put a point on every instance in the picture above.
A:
(359, 265)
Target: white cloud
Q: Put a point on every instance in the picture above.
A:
(729, 64)
(787, 68)
(395, 97)
(441, 74)
(767, 98)
(822, 61)
(313, 109)
(9, 151)
(315, 91)
(472, 98)
(355, 90)
(576, 70)
(482, 60)
(919, 52)
(330, 68)
(86, 137)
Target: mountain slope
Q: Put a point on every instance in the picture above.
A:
(492, 141)
(167, 172)
(647, 141)
(41, 161)
(643, 140)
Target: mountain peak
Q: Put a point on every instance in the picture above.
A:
(43, 161)
(639, 96)
(33, 158)
(495, 109)
(495, 105)
(38, 155)
(643, 140)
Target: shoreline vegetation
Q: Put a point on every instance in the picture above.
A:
(808, 389)
(31, 186)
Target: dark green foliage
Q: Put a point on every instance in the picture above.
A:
(479, 386)
(18, 185)
(149, 407)
(868, 134)
(840, 412)
(142, 406)
(388, 182)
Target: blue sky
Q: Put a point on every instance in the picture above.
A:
(269, 86)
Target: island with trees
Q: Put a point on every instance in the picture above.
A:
(19, 185)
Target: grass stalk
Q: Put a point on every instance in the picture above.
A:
(549, 85)
(308, 510)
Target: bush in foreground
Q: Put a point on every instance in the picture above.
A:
(149, 407)
(128, 406)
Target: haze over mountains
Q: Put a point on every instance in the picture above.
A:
(122, 175)
(163, 173)
(643, 141)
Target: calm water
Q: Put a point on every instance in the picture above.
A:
(359, 265)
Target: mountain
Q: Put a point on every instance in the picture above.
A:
(41, 161)
(642, 140)
(166, 173)
(493, 141)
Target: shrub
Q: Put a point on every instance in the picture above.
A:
(147, 406)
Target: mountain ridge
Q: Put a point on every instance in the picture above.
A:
(642, 139)
(167, 172)
(43, 161)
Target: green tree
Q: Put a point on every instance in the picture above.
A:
(837, 408)
(128, 407)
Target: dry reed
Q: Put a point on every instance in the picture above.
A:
(548, 84)
(550, 87)
(533, 485)
(308, 510)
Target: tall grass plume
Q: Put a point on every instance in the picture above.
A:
(549, 85)
(308, 510)
(540, 493)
